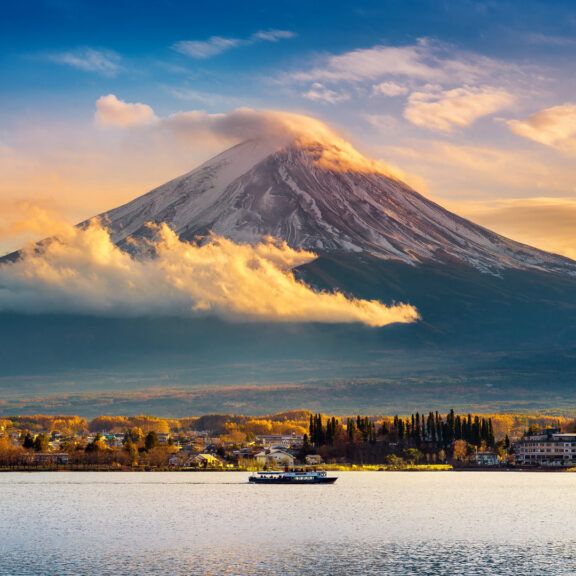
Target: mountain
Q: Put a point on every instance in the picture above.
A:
(498, 318)
(312, 197)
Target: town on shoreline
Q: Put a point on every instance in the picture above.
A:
(426, 441)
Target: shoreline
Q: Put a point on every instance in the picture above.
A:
(448, 468)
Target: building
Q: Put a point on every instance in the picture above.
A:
(204, 461)
(275, 457)
(313, 459)
(284, 440)
(486, 459)
(551, 448)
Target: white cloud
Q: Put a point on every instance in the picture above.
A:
(389, 88)
(425, 61)
(444, 110)
(554, 127)
(319, 93)
(202, 49)
(110, 111)
(104, 62)
(81, 270)
(272, 35)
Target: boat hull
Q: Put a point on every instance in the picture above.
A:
(254, 480)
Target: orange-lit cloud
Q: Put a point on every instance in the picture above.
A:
(445, 110)
(277, 127)
(27, 219)
(81, 270)
(555, 127)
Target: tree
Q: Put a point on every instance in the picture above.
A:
(28, 441)
(460, 450)
(97, 445)
(413, 455)
(151, 440)
(132, 451)
(41, 443)
(9, 454)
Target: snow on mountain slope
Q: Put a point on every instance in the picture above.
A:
(256, 189)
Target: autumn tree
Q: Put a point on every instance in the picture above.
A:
(460, 450)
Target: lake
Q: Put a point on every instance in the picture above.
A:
(396, 523)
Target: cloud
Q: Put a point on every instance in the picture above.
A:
(26, 218)
(318, 93)
(475, 171)
(554, 127)
(81, 270)
(425, 61)
(390, 89)
(215, 45)
(276, 127)
(272, 35)
(105, 62)
(443, 110)
(111, 111)
(202, 49)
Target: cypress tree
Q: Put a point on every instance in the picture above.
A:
(28, 441)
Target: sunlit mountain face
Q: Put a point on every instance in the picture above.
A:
(485, 313)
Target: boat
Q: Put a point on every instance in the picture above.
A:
(292, 477)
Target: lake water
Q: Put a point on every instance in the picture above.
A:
(467, 523)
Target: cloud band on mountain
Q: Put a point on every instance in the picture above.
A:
(81, 270)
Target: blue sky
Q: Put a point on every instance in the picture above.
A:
(139, 37)
(473, 100)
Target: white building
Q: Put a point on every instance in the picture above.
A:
(547, 449)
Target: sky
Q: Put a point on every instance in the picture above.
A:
(474, 102)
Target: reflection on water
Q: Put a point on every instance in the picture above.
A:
(215, 523)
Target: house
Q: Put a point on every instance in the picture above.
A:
(486, 459)
(175, 461)
(313, 459)
(204, 461)
(549, 449)
(275, 458)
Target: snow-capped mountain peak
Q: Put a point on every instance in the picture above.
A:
(326, 197)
